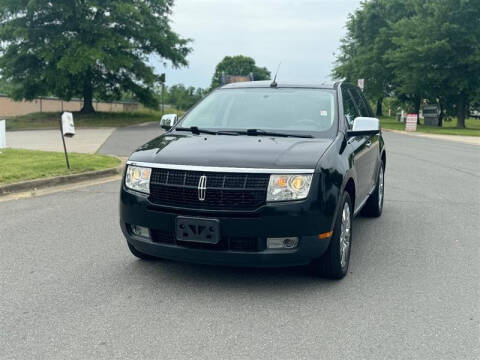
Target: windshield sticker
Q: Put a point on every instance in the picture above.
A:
(324, 113)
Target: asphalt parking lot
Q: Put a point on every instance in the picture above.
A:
(71, 290)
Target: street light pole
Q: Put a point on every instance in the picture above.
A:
(162, 80)
(163, 99)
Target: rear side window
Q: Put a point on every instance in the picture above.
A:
(350, 110)
(360, 101)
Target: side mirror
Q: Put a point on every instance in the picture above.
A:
(168, 121)
(364, 126)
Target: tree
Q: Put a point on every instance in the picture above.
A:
(183, 98)
(363, 48)
(238, 65)
(4, 87)
(86, 48)
(414, 50)
(438, 51)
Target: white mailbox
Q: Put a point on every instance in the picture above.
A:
(3, 135)
(68, 127)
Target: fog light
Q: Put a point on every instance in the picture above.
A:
(282, 243)
(140, 231)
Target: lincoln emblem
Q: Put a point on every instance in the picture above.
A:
(202, 188)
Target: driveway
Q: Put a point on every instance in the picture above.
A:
(84, 141)
(70, 289)
(123, 141)
(108, 141)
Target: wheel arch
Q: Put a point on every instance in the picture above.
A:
(351, 189)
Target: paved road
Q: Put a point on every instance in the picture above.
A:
(70, 289)
(125, 140)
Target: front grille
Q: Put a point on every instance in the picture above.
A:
(225, 191)
(232, 243)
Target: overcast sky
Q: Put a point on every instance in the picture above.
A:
(302, 34)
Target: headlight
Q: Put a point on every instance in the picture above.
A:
(288, 187)
(138, 178)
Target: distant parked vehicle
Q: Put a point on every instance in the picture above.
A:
(169, 120)
(475, 113)
(431, 115)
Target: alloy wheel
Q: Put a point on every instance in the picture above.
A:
(380, 188)
(345, 235)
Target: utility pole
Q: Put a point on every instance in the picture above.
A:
(163, 99)
(162, 80)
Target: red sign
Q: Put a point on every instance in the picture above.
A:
(411, 122)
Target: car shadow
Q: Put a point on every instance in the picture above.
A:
(167, 273)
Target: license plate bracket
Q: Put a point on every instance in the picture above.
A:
(199, 230)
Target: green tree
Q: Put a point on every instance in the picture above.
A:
(437, 52)
(367, 41)
(183, 98)
(86, 48)
(238, 65)
(4, 87)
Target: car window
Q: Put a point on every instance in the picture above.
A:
(349, 109)
(360, 101)
(367, 105)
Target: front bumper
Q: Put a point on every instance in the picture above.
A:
(302, 219)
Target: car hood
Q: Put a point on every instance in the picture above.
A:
(233, 151)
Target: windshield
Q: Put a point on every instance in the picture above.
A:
(289, 110)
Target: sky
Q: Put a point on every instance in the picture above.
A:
(301, 34)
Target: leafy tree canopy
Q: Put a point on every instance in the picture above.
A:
(437, 53)
(183, 98)
(368, 39)
(86, 48)
(238, 65)
(4, 87)
(415, 49)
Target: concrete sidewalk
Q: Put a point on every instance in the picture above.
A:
(85, 140)
(474, 140)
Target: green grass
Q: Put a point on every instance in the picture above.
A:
(448, 128)
(100, 119)
(20, 165)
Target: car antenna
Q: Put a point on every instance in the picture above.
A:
(274, 82)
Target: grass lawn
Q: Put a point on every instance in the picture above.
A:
(448, 128)
(19, 165)
(99, 119)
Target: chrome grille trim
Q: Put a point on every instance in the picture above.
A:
(220, 168)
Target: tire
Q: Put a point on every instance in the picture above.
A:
(139, 254)
(374, 205)
(334, 263)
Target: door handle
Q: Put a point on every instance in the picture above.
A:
(368, 143)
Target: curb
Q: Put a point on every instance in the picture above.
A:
(31, 185)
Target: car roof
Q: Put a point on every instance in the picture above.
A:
(268, 83)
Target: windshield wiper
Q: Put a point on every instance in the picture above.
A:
(195, 130)
(250, 132)
(260, 132)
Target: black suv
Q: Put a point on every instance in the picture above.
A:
(258, 174)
